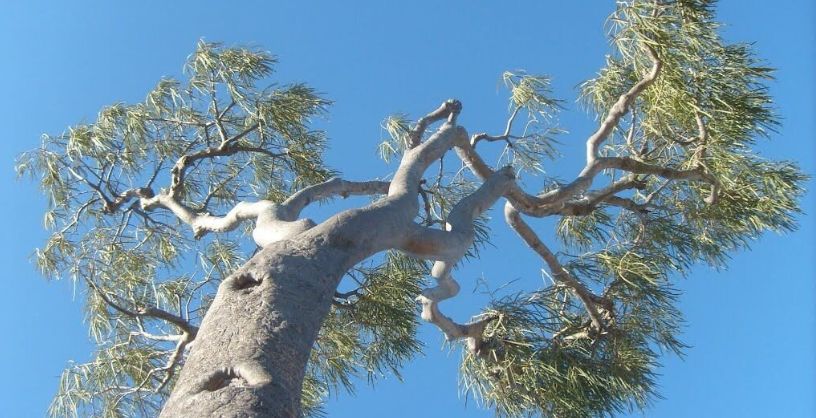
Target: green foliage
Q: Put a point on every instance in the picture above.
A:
(526, 371)
(140, 259)
(704, 111)
(543, 354)
(372, 331)
(397, 127)
(531, 94)
(86, 389)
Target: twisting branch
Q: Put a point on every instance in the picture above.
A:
(332, 187)
(589, 299)
(147, 193)
(269, 215)
(415, 161)
(514, 193)
(558, 200)
(447, 247)
(439, 245)
(202, 223)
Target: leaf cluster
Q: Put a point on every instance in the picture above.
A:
(372, 331)
(119, 253)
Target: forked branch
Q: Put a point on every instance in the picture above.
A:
(447, 110)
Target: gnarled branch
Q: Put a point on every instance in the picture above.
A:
(447, 247)
(447, 110)
(332, 187)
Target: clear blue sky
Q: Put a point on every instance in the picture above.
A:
(752, 327)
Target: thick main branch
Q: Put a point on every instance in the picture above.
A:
(447, 247)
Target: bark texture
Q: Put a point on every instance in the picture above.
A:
(250, 353)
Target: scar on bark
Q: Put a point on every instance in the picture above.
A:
(242, 281)
(247, 374)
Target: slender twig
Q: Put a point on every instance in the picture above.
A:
(506, 136)
(77, 215)
(142, 312)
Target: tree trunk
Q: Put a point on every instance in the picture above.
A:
(251, 351)
(250, 354)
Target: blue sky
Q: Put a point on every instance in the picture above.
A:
(752, 327)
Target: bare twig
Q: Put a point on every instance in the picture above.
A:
(503, 137)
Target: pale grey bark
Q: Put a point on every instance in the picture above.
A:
(251, 350)
(250, 353)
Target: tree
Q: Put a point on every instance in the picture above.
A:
(669, 181)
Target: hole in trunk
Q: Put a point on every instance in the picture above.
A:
(220, 379)
(243, 281)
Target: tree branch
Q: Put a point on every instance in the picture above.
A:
(229, 142)
(589, 299)
(154, 337)
(447, 110)
(638, 167)
(202, 223)
(226, 148)
(514, 193)
(172, 361)
(586, 206)
(157, 313)
(334, 186)
(447, 247)
(503, 137)
(621, 106)
(416, 160)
